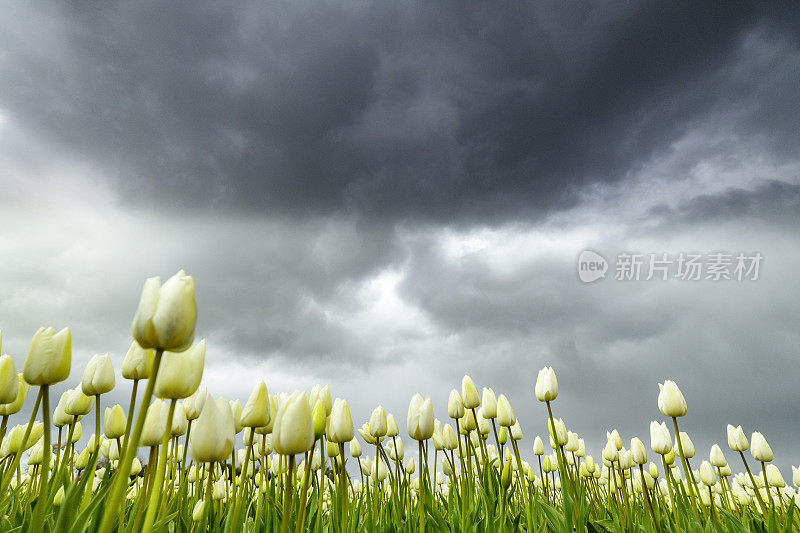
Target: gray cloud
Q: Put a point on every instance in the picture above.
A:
(443, 111)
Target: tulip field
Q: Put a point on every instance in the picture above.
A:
(170, 459)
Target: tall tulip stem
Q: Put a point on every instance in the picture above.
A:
(18, 455)
(41, 503)
(155, 495)
(755, 486)
(129, 421)
(120, 483)
(287, 496)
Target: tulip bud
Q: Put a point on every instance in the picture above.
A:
(538, 446)
(78, 404)
(138, 362)
(707, 475)
(114, 422)
(455, 406)
(256, 410)
(155, 424)
(167, 314)
(318, 419)
(59, 497)
(392, 430)
(293, 431)
(737, 440)
(687, 445)
(774, 477)
(341, 430)
(98, 376)
(60, 416)
(15, 406)
(546, 385)
(449, 438)
(8, 380)
(377, 423)
(670, 400)
(49, 357)
(505, 476)
(355, 448)
(420, 418)
(638, 452)
(236, 410)
(502, 436)
(181, 372)
(197, 512)
(572, 442)
(504, 412)
(610, 452)
(660, 440)
(411, 467)
(559, 433)
(759, 448)
(489, 404)
(179, 423)
(193, 405)
(136, 467)
(213, 435)
(717, 457)
(469, 393)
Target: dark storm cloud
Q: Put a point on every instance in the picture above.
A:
(447, 111)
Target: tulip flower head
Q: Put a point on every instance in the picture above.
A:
(49, 358)
(505, 413)
(341, 423)
(138, 362)
(8, 380)
(377, 423)
(167, 314)
(455, 406)
(293, 432)
(256, 411)
(181, 372)
(670, 400)
(213, 435)
(114, 422)
(14, 407)
(760, 449)
(489, 404)
(660, 439)
(737, 440)
(469, 393)
(98, 376)
(420, 418)
(546, 385)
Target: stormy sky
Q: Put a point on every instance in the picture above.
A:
(386, 196)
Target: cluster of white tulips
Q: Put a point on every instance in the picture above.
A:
(292, 471)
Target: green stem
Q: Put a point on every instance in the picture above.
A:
(304, 491)
(18, 456)
(766, 484)
(120, 483)
(129, 422)
(422, 494)
(755, 485)
(41, 503)
(155, 496)
(686, 469)
(287, 496)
